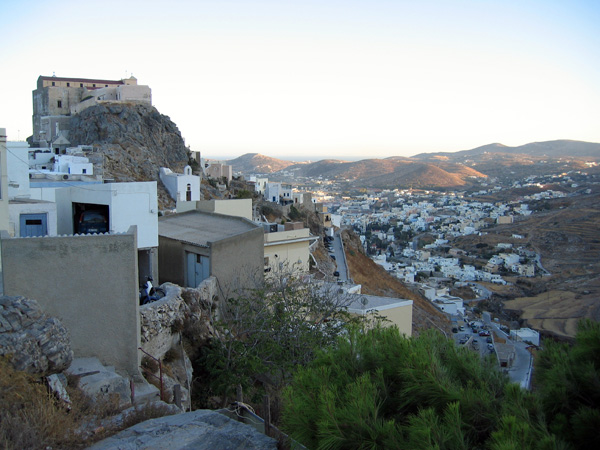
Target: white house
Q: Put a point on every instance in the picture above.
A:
(70, 164)
(182, 187)
(122, 205)
(526, 335)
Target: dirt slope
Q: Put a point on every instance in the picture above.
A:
(376, 281)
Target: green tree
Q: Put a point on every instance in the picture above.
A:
(267, 331)
(381, 390)
(568, 380)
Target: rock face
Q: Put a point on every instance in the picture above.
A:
(34, 342)
(135, 139)
(181, 311)
(199, 430)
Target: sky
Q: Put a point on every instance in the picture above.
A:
(309, 80)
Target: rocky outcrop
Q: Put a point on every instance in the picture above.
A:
(135, 139)
(31, 340)
(182, 311)
(200, 430)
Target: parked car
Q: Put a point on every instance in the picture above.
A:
(332, 257)
(489, 340)
(484, 333)
(491, 347)
(92, 221)
(336, 274)
(455, 330)
(461, 328)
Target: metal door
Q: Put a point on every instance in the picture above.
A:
(33, 225)
(198, 269)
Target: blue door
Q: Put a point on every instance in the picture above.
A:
(198, 269)
(33, 225)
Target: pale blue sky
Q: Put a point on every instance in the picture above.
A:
(318, 79)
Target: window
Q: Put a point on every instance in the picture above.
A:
(83, 170)
(68, 84)
(59, 103)
(53, 83)
(80, 84)
(106, 85)
(94, 84)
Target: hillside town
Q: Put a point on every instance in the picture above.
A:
(151, 253)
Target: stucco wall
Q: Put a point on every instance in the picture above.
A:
(171, 261)
(16, 208)
(238, 262)
(235, 262)
(400, 316)
(19, 172)
(90, 283)
(3, 182)
(292, 254)
(239, 207)
(129, 204)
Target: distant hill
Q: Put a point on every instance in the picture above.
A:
(435, 170)
(558, 149)
(255, 163)
(383, 173)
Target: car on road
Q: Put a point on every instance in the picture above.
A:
(490, 347)
(336, 274)
(332, 257)
(461, 328)
(455, 330)
(489, 340)
(484, 333)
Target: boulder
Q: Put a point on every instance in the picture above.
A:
(33, 341)
(200, 430)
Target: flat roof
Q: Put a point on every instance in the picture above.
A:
(81, 80)
(376, 303)
(504, 351)
(201, 228)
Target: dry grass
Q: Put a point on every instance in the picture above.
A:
(32, 418)
(554, 311)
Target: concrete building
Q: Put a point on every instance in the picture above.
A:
(57, 98)
(304, 198)
(30, 217)
(273, 192)
(324, 215)
(195, 245)
(504, 220)
(260, 184)
(397, 311)
(182, 187)
(89, 282)
(218, 170)
(3, 181)
(287, 246)
(235, 207)
(122, 205)
(526, 335)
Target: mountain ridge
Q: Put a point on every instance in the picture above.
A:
(431, 170)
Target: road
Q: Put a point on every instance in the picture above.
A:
(522, 367)
(337, 250)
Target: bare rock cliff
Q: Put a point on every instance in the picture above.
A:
(32, 341)
(135, 140)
